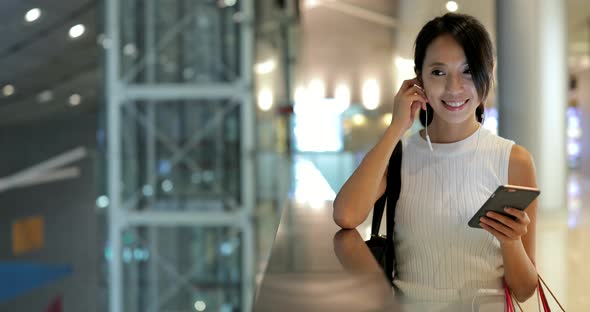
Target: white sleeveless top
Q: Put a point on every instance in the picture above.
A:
(438, 255)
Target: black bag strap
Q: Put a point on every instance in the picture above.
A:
(392, 192)
(394, 183)
(378, 214)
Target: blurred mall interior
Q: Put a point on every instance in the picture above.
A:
(150, 147)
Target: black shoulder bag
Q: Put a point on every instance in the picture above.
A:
(382, 246)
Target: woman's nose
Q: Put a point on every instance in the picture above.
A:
(455, 83)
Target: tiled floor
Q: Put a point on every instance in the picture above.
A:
(563, 249)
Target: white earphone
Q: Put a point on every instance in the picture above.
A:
(427, 136)
(426, 123)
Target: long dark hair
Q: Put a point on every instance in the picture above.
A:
(477, 46)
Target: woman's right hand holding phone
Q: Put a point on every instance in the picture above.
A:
(407, 101)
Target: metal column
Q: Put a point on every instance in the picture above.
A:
(112, 27)
(248, 152)
(150, 77)
(123, 92)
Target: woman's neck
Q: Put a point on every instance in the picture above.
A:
(441, 132)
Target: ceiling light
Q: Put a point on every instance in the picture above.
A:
(32, 15)
(77, 31)
(75, 99)
(359, 120)
(102, 201)
(167, 186)
(371, 94)
(386, 119)
(342, 95)
(317, 89)
(200, 306)
(45, 96)
(8, 90)
(310, 4)
(147, 190)
(130, 49)
(229, 3)
(452, 6)
(265, 99)
(103, 40)
(265, 67)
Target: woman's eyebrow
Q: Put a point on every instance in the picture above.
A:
(442, 64)
(436, 64)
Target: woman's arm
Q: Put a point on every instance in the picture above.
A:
(368, 182)
(517, 238)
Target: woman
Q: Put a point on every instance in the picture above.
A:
(448, 171)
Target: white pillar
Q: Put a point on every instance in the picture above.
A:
(532, 88)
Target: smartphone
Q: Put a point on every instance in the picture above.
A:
(519, 197)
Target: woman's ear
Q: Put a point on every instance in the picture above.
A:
(480, 112)
(420, 82)
(419, 77)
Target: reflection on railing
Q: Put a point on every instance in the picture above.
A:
(352, 252)
(311, 269)
(310, 187)
(274, 182)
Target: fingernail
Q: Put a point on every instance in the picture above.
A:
(507, 209)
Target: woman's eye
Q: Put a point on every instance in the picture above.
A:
(467, 71)
(437, 72)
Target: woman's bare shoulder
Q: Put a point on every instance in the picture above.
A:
(521, 169)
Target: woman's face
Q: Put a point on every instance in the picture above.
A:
(447, 81)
